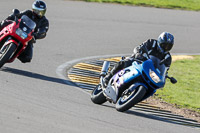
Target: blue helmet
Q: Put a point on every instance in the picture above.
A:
(166, 41)
(39, 8)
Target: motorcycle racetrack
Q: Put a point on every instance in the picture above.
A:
(48, 95)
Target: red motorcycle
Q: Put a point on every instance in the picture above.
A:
(14, 38)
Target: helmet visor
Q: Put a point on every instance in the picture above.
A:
(166, 46)
(40, 13)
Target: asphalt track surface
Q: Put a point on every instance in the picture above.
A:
(34, 98)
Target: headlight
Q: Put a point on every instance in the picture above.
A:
(154, 76)
(21, 33)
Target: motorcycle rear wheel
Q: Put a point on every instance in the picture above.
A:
(6, 52)
(127, 101)
(97, 95)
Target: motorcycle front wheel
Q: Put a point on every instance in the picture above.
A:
(128, 100)
(97, 95)
(6, 52)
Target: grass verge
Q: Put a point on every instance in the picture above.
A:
(186, 93)
(171, 4)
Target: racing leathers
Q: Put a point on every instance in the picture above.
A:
(42, 26)
(138, 53)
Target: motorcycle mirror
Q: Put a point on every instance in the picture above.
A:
(173, 80)
(15, 12)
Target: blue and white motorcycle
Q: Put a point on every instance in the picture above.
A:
(132, 84)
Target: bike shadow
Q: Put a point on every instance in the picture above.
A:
(37, 76)
(159, 115)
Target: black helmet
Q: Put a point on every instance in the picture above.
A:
(166, 41)
(39, 8)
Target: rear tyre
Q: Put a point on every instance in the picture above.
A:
(6, 52)
(128, 100)
(97, 95)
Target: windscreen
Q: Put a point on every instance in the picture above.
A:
(26, 24)
(160, 68)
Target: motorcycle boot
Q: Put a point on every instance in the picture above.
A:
(107, 78)
(120, 65)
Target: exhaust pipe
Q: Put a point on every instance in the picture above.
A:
(105, 68)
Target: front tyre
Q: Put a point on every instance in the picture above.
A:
(128, 100)
(97, 95)
(6, 52)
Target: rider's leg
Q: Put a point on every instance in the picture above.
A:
(115, 69)
(119, 66)
(27, 54)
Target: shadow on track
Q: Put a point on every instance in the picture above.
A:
(37, 76)
(179, 121)
(160, 116)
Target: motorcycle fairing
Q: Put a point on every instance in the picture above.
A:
(147, 66)
(123, 76)
(111, 92)
(130, 73)
(7, 30)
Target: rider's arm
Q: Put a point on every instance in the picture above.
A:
(138, 51)
(25, 12)
(168, 60)
(12, 16)
(42, 30)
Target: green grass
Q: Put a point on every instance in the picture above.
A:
(172, 4)
(186, 93)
